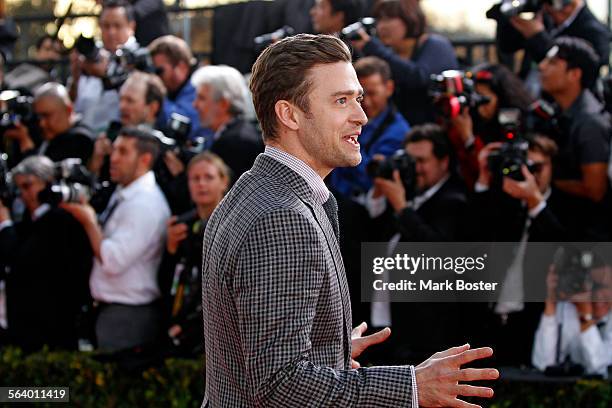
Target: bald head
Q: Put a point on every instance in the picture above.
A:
(55, 91)
(53, 107)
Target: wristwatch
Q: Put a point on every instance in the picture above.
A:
(586, 318)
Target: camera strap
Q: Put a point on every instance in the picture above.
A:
(378, 132)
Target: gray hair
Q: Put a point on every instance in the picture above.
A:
(39, 166)
(226, 83)
(53, 90)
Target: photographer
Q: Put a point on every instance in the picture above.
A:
(221, 103)
(127, 241)
(433, 212)
(567, 73)
(180, 272)
(383, 134)
(529, 210)
(63, 135)
(472, 129)
(49, 261)
(412, 53)
(537, 35)
(140, 100)
(98, 105)
(331, 16)
(586, 328)
(175, 64)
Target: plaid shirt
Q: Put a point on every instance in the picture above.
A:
(277, 315)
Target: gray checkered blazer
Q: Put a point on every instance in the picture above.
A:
(277, 315)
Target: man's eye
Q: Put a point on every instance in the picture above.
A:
(360, 99)
(341, 101)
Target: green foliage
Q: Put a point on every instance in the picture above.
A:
(584, 393)
(180, 383)
(177, 383)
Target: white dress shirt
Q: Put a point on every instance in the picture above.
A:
(591, 348)
(132, 245)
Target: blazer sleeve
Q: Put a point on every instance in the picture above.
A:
(277, 285)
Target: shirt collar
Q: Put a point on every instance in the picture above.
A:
(314, 181)
(40, 211)
(146, 180)
(427, 194)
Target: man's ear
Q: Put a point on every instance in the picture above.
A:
(224, 104)
(287, 114)
(575, 74)
(390, 87)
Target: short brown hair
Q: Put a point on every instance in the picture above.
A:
(282, 73)
(409, 11)
(367, 66)
(543, 144)
(174, 48)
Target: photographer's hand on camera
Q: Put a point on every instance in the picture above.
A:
(464, 126)
(526, 190)
(21, 134)
(393, 190)
(359, 44)
(176, 233)
(173, 163)
(5, 214)
(484, 175)
(97, 68)
(102, 148)
(528, 28)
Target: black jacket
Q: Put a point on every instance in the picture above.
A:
(585, 26)
(422, 328)
(50, 260)
(77, 142)
(238, 145)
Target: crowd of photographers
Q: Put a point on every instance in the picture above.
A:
(106, 182)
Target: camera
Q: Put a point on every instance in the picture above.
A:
(512, 155)
(178, 128)
(16, 108)
(262, 41)
(573, 266)
(400, 161)
(351, 32)
(7, 190)
(88, 48)
(543, 117)
(451, 91)
(129, 57)
(511, 8)
(74, 184)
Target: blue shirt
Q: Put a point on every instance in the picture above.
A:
(353, 181)
(183, 104)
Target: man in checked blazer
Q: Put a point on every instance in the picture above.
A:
(277, 315)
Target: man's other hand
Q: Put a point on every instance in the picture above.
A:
(528, 28)
(359, 343)
(438, 377)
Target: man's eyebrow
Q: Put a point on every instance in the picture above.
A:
(350, 92)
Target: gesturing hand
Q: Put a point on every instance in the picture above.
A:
(359, 343)
(438, 377)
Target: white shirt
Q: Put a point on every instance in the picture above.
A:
(591, 348)
(98, 106)
(132, 245)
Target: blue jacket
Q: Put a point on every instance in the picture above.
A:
(183, 103)
(350, 181)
